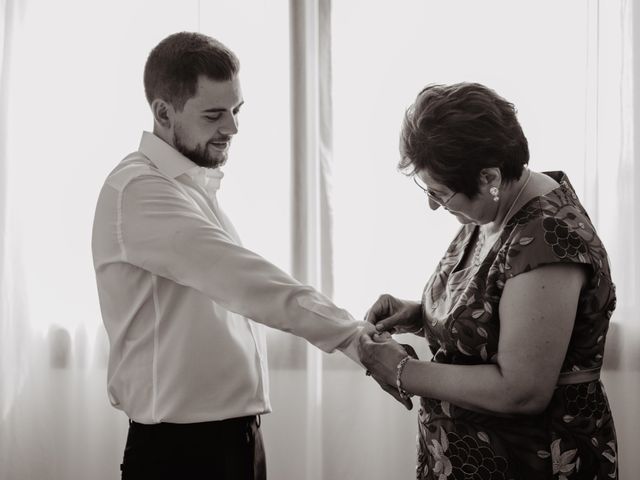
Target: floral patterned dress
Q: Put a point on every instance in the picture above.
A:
(574, 438)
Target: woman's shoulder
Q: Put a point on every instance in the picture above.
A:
(558, 207)
(552, 228)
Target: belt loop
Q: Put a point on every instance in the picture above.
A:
(258, 420)
(248, 429)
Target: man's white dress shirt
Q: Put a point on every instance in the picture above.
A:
(182, 301)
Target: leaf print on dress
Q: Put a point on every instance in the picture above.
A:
(438, 450)
(564, 241)
(561, 461)
(524, 241)
(473, 457)
(612, 457)
(446, 408)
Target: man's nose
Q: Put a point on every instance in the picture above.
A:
(230, 126)
(433, 205)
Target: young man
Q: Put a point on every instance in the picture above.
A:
(182, 300)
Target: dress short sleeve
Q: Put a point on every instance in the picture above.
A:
(549, 237)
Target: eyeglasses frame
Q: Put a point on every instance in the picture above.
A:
(442, 203)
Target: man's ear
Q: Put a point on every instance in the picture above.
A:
(163, 113)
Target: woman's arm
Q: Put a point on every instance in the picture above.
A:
(537, 312)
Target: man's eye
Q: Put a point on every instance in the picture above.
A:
(212, 118)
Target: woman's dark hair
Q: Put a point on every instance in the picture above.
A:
(174, 65)
(454, 131)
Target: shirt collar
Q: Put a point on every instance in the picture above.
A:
(173, 164)
(168, 160)
(207, 178)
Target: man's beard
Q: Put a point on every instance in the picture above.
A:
(199, 155)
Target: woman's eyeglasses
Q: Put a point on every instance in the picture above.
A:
(433, 196)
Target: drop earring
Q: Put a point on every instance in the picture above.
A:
(495, 192)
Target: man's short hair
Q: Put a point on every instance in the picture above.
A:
(174, 65)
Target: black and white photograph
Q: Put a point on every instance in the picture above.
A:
(319, 240)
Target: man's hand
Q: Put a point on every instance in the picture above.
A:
(390, 314)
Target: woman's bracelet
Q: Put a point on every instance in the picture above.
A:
(401, 391)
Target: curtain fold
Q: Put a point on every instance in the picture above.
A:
(12, 326)
(618, 193)
(311, 137)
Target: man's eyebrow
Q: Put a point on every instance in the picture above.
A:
(217, 109)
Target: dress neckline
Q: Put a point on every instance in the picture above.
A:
(563, 183)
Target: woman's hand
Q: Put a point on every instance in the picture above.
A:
(380, 354)
(368, 352)
(390, 314)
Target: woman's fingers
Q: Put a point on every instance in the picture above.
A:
(369, 350)
(368, 328)
(381, 337)
(364, 348)
(389, 314)
(410, 350)
(380, 354)
(391, 323)
(382, 308)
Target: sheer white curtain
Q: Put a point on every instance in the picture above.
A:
(71, 105)
(613, 192)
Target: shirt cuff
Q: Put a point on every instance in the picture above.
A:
(350, 346)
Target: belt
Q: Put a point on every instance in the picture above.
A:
(230, 423)
(579, 376)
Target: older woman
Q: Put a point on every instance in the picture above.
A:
(515, 314)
